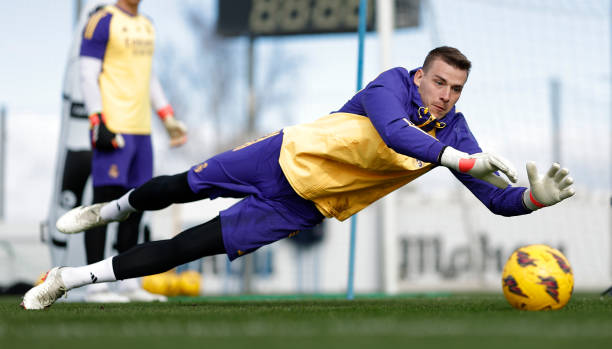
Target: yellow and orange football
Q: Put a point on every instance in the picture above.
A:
(537, 277)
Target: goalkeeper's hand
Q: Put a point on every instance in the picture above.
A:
(547, 190)
(101, 137)
(480, 165)
(177, 131)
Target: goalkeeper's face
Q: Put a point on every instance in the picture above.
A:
(440, 86)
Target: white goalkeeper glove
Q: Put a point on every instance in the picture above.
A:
(480, 165)
(177, 131)
(549, 189)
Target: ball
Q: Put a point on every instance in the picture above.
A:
(155, 284)
(537, 277)
(173, 283)
(190, 282)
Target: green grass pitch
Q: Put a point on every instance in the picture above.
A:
(425, 321)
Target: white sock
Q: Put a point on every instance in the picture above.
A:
(101, 271)
(117, 209)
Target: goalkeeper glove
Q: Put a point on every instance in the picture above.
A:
(549, 189)
(101, 137)
(480, 165)
(177, 131)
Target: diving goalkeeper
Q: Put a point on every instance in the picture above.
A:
(398, 128)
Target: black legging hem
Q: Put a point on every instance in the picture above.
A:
(159, 256)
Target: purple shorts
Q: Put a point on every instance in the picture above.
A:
(129, 167)
(270, 209)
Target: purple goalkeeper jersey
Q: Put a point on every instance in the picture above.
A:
(393, 96)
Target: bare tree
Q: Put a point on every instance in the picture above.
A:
(211, 87)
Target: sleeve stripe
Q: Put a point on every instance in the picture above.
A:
(93, 23)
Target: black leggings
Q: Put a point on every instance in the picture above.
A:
(158, 256)
(160, 192)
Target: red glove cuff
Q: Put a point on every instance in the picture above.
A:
(165, 112)
(534, 201)
(96, 118)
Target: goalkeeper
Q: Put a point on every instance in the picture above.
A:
(119, 89)
(399, 127)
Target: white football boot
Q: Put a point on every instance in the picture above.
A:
(45, 294)
(83, 218)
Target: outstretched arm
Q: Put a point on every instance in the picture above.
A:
(387, 110)
(505, 202)
(546, 190)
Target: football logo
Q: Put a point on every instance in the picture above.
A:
(566, 268)
(523, 259)
(513, 287)
(552, 288)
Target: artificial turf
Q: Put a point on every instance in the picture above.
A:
(453, 321)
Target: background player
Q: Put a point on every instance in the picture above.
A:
(396, 129)
(119, 87)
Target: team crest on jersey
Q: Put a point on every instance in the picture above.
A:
(113, 171)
